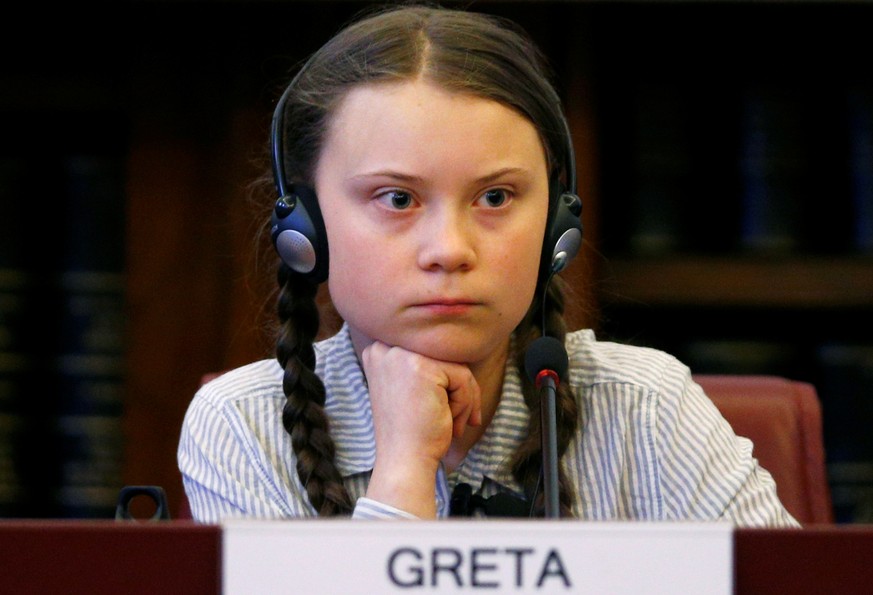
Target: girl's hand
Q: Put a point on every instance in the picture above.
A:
(418, 405)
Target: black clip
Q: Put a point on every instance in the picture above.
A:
(155, 493)
(465, 503)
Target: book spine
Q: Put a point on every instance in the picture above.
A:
(90, 343)
(861, 168)
(17, 358)
(772, 169)
(662, 168)
(14, 364)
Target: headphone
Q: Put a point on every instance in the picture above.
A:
(297, 228)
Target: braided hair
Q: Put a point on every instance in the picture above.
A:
(461, 51)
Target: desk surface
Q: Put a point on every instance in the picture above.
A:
(827, 559)
(169, 557)
(96, 557)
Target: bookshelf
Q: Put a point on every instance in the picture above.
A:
(659, 97)
(812, 283)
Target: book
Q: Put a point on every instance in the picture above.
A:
(661, 170)
(860, 166)
(90, 346)
(14, 357)
(773, 170)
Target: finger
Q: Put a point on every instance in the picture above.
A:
(476, 413)
(372, 352)
(464, 398)
(460, 417)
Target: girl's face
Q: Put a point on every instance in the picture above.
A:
(435, 206)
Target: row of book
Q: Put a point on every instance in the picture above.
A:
(758, 169)
(62, 317)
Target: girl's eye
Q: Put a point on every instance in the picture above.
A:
(396, 199)
(495, 198)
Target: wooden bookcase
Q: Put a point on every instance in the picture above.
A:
(194, 84)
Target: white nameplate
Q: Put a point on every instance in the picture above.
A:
(496, 556)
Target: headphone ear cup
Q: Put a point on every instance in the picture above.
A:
(563, 237)
(298, 234)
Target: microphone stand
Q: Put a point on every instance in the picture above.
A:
(546, 363)
(548, 415)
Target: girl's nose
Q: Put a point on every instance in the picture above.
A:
(447, 240)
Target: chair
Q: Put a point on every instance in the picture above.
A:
(783, 420)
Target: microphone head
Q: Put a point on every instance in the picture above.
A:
(546, 353)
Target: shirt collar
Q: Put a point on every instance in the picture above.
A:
(491, 457)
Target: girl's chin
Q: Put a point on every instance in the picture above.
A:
(447, 346)
(449, 349)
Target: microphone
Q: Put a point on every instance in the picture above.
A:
(546, 356)
(546, 364)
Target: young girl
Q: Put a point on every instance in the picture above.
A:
(424, 164)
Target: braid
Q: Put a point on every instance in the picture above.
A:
(527, 461)
(303, 415)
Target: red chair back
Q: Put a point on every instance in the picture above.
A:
(783, 420)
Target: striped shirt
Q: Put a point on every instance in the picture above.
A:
(650, 444)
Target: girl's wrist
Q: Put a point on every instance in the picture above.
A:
(411, 488)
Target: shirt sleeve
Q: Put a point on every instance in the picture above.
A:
(222, 470)
(233, 466)
(368, 509)
(707, 471)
